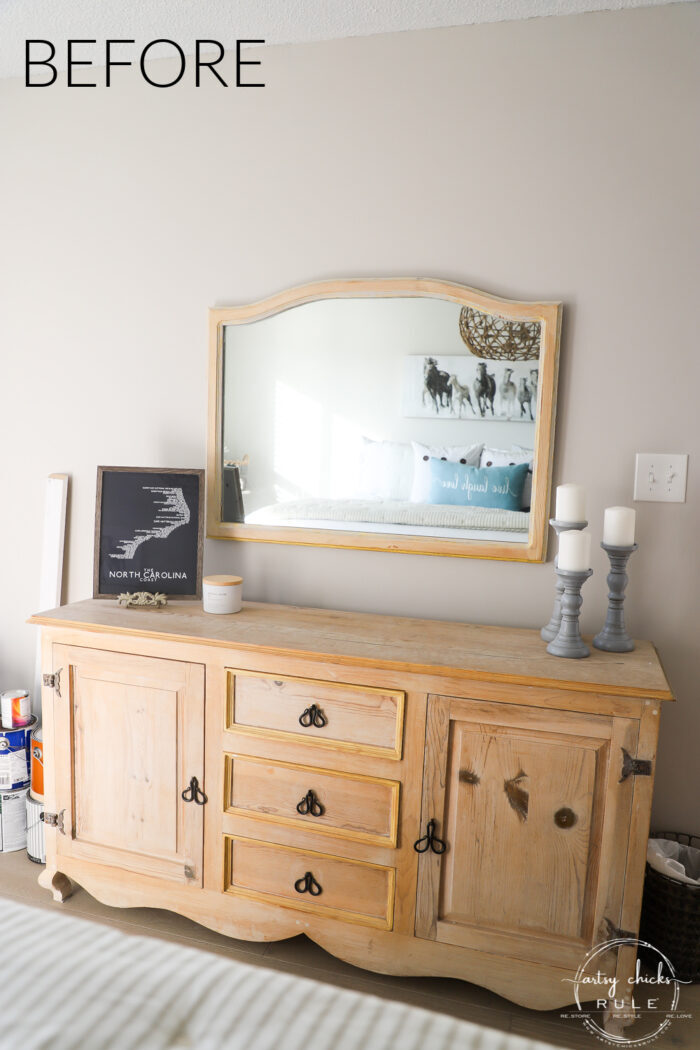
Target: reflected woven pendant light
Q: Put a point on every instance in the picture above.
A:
(498, 339)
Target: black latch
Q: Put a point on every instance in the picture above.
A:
(194, 793)
(634, 767)
(430, 841)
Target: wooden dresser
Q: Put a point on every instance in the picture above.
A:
(418, 797)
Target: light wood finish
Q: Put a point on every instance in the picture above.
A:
(512, 879)
(549, 316)
(61, 887)
(638, 832)
(132, 730)
(501, 655)
(369, 721)
(352, 805)
(512, 904)
(350, 890)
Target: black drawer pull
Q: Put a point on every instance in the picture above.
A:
(194, 793)
(310, 805)
(313, 716)
(308, 884)
(430, 841)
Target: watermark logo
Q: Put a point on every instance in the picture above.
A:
(635, 1012)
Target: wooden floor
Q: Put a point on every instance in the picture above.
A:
(18, 881)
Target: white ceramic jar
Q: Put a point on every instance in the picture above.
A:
(222, 594)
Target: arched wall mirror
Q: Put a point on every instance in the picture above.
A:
(396, 415)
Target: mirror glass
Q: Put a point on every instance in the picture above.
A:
(392, 415)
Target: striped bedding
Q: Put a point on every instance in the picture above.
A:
(70, 984)
(390, 512)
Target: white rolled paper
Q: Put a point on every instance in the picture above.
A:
(618, 526)
(574, 551)
(571, 503)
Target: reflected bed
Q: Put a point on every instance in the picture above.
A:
(398, 517)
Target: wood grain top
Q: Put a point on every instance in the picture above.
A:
(503, 654)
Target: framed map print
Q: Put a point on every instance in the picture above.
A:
(149, 528)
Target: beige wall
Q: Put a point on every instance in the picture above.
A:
(553, 158)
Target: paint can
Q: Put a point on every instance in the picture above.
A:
(36, 789)
(15, 708)
(13, 820)
(15, 756)
(36, 847)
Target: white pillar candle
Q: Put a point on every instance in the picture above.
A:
(574, 551)
(618, 526)
(571, 503)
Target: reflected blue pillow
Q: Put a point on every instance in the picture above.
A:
(455, 484)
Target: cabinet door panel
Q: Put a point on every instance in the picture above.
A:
(533, 819)
(134, 730)
(507, 821)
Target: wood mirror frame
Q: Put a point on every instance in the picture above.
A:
(549, 316)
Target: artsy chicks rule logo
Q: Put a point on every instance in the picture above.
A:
(630, 1013)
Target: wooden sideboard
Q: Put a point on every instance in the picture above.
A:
(271, 773)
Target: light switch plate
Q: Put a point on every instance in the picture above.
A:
(660, 477)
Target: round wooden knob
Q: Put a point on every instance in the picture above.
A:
(565, 818)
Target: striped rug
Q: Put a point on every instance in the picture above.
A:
(71, 984)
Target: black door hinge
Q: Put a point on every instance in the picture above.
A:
(614, 932)
(634, 767)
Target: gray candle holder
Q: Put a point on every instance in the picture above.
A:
(568, 642)
(550, 632)
(614, 638)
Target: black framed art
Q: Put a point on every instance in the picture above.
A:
(149, 531)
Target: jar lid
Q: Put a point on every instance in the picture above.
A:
(223, 581)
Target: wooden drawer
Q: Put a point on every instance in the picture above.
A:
(348, 805)
(349, 717)
(349, 890)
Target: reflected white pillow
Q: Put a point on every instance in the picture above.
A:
(503, 457)
(384, 470)
(468, 455)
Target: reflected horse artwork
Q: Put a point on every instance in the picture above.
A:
(437, 385)
(484, 389)
(460, 394)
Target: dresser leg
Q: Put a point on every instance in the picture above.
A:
(618, 1016)
(60, 885)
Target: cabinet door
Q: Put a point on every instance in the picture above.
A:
(129, 736)
(535, 819)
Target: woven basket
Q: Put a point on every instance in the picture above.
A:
(671, 914)
(498, 339)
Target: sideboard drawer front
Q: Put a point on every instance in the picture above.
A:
(343, 804)
(350, 717)
(349, 890)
